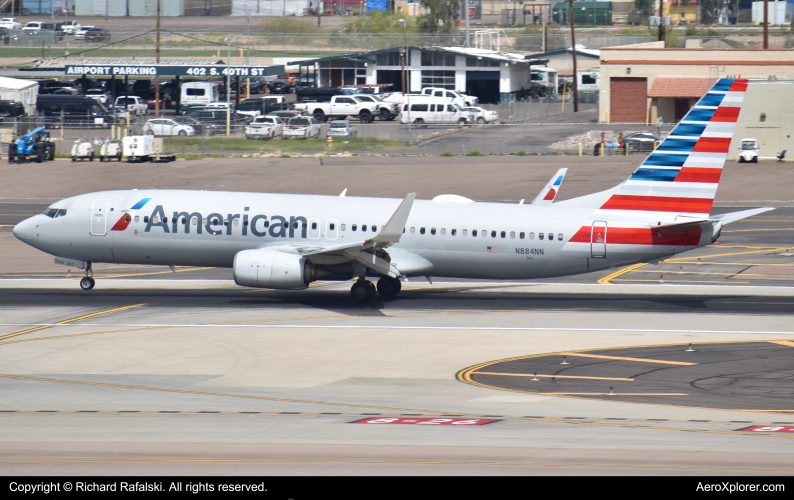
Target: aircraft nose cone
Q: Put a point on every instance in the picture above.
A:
(24, 230)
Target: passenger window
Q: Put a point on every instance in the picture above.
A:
(155, 220)
(295, 225)
(195, 221)
(493, 234)
(374, 228)
(332, 226)
(363, 227)
(137, 218)
(286, 225)
(245, 222)
(454, 232)
(184, 220)
(521, 235)
(421, 230)
(267, 223)
(235, 223)
(464, 232)
(413, 230)
(503, 234)
(473, 232)
(531, 236)
(443, 231)
(433, 231)
(304, 225)
(485, 233)
(512, 235)
(559, 236)
(540, 236)
(353, 227)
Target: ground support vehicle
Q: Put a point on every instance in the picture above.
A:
(140, 148)
(110, 149)
(341, 107)
(35, 144)
(749, 151)
(84, 149)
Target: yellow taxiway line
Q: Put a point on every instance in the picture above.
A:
(549, 376)
(618, 358)
(606, 279)
(69, 321)
(783, 342)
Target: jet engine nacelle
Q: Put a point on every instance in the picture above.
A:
(269, 268)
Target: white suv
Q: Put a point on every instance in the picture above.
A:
(32, 28)
(10, 23)
(69, 27)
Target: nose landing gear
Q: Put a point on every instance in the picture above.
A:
(88, 282)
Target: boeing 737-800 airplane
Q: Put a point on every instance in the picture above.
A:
(288, 241)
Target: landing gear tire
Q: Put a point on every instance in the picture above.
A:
(389, 287)
(87, 283)
(362, 291)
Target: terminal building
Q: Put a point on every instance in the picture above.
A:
(490, 75)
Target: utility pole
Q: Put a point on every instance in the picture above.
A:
(468, 33)
(766, 24)
(661, 21)
(228, 87)
(247, 55)
(319, 12)
(573, 53)
(157, 78)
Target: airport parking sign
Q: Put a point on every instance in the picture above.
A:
(151, 70)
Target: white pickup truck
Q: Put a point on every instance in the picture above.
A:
(134, 104)
(341, 106)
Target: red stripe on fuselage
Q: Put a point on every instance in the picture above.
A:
(674, 236)
(122, 223)
(712, 145)
(658, 204)
(726, 114)
(695, 174)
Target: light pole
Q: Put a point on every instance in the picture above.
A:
(573, 54)
(406, 101)
(247, 54)
(228, 86)
(157, 78)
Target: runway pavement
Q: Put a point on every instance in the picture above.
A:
(155, 372)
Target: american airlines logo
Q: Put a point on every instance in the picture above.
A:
(260, 225)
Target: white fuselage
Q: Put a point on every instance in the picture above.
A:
(208, 228)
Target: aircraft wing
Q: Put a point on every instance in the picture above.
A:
(364, 252)
(548, 193)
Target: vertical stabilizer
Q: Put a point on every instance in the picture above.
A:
(548, 193)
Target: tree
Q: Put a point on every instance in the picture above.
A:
(644, 6)
(442, 15)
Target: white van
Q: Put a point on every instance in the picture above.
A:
(195, 94)
(461, 100)
(426, 112)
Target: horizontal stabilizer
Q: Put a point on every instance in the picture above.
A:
(734, 216)
(548, 193)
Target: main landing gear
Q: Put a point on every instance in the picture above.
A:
(88, 282)
(364, 290)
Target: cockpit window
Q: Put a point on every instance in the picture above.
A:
(55, 212)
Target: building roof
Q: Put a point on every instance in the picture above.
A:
(586, 53)
(15, 83)
(665, 86)
(489, 55)
(60, 62)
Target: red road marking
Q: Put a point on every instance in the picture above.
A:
(769, 428)
(427, 421)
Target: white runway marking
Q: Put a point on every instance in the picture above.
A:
(405, 327)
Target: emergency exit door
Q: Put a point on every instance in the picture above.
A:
(598, 239)
(99, 215)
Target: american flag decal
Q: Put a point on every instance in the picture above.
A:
(492, 249)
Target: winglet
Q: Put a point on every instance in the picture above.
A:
(342, 195)
(548, 193)
(393, 229)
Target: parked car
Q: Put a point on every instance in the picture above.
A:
(11, 109)
(136, 104)
(32, 28)
(341, 128)
(10, 23)
(286, 115)
(168, 127)
(97, 35)
(53, 86)
(66, 91)
(218, 117)
(279, 87)
(259, 106)
(80, 34)
(42, 29)
(482, 115)
(640, 141)
(386, 110)
(73, 110)
(200, 128)
(302, 127)
(265, 127)
(69, 27)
